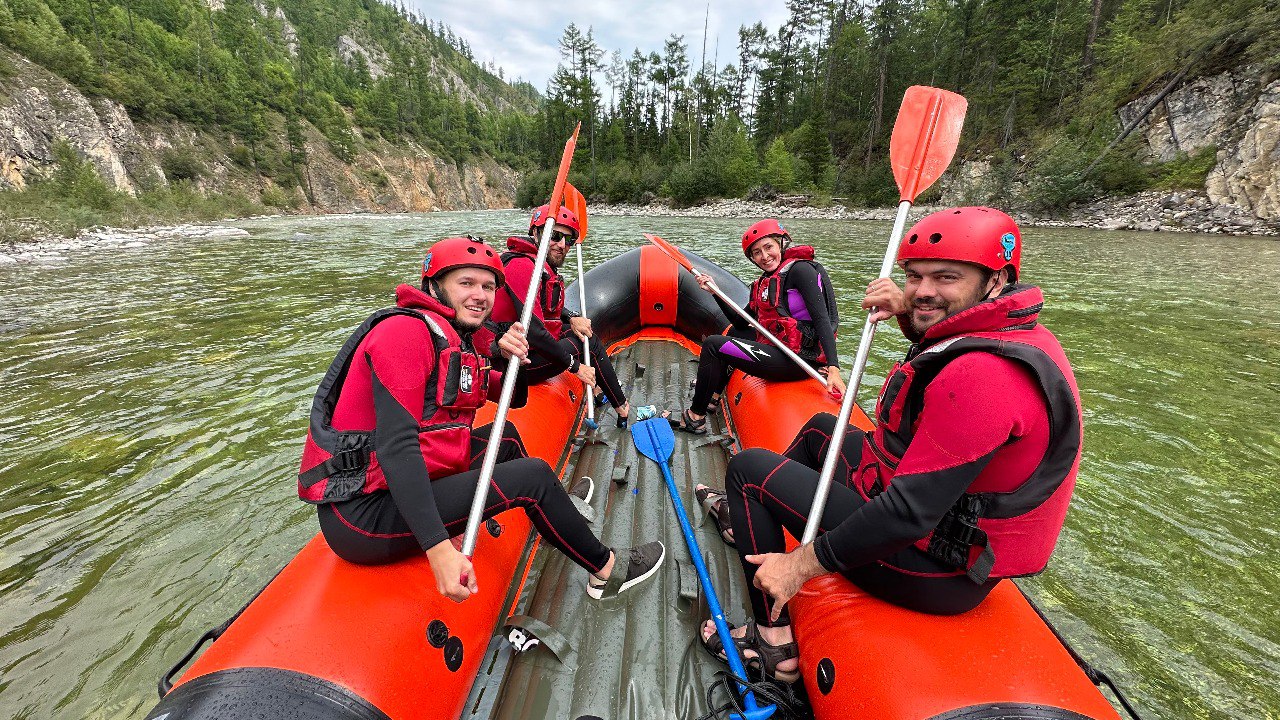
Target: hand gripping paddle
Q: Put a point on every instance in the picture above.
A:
(655, 440)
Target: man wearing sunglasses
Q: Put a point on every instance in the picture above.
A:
(553, 349)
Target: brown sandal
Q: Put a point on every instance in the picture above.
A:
(716, 504)
(767, 656)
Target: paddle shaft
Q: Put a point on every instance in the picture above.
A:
(813, 373)
(586, 342)
(513, 363)
(713, 601)
(504, 404)
(851, 392)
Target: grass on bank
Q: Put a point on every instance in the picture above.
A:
(75, 197)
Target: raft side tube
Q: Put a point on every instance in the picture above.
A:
(865, 657)
(614, 296)
(373, 642)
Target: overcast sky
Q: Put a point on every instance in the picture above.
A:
(521, 35)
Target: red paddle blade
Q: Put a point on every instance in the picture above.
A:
(574, 200)
(925, 137)
(562, 176)
(671, 250)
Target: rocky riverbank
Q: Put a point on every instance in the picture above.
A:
(1183, 211)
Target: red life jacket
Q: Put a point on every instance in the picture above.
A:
(1002, 526)
(339, 465)
(773, 310)
(522, 248)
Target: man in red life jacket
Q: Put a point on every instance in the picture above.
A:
(391, 460)
(557, 334)
(966, 478)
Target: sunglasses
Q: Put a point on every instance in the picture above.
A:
(557, 236)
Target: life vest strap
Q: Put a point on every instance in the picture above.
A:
(345, 461)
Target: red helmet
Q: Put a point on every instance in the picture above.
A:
(760, 231)
(456, 252)
(566, 217)
(979, 235)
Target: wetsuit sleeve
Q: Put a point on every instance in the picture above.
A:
(400, 365)
(968, 415)
(734, 318)
(805, 278)
(518, 272)
(519, 394)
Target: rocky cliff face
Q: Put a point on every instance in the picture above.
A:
(1240, 116)
(37, 109)
(1237, 113)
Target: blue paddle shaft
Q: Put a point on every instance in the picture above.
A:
(661, 442)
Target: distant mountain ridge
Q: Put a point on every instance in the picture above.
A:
(340, 104)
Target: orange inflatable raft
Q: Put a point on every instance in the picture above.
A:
(328, 640)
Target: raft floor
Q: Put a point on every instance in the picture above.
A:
(635, 656)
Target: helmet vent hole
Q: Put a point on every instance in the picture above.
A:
(471, 250)
(935, 238)
(913, 238)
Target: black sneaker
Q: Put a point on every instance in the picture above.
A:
(641, 561)
(584, 489)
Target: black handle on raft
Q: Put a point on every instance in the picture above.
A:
(1096, 676)
(166, 680)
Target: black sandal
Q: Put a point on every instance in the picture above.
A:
(716, 504)
(767, 656)
(686, 422)
(713, 405)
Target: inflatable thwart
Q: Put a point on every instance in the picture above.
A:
(329, 640)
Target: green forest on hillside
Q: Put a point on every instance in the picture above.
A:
(803, 108)
(809, 107)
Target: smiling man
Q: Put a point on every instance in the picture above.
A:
(391, 460)
(967, 476)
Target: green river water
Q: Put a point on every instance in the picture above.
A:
(153, 400)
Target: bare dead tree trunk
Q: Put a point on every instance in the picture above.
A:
(1095, 14)
(877, 113)
(1146, 110)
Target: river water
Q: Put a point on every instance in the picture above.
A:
(153, 400)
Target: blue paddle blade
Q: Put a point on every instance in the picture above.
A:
(654, 439)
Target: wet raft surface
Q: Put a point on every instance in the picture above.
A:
(634, 656)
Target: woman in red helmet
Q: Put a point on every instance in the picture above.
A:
(967, 476)
(795, 300)
(391, 460)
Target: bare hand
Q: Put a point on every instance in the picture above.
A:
(781, 575)
(513, 343)
(580, 326)
(455, 578)
(586, 374)
(705, 282)
(835, 382)
(886, 297)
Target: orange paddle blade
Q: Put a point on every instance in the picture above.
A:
(574, 200)
(562, 176)
(671, 250)
(925, 137)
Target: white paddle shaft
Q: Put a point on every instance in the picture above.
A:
(504, 401)
(586, 342)
(813, 373)
(851, 392)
